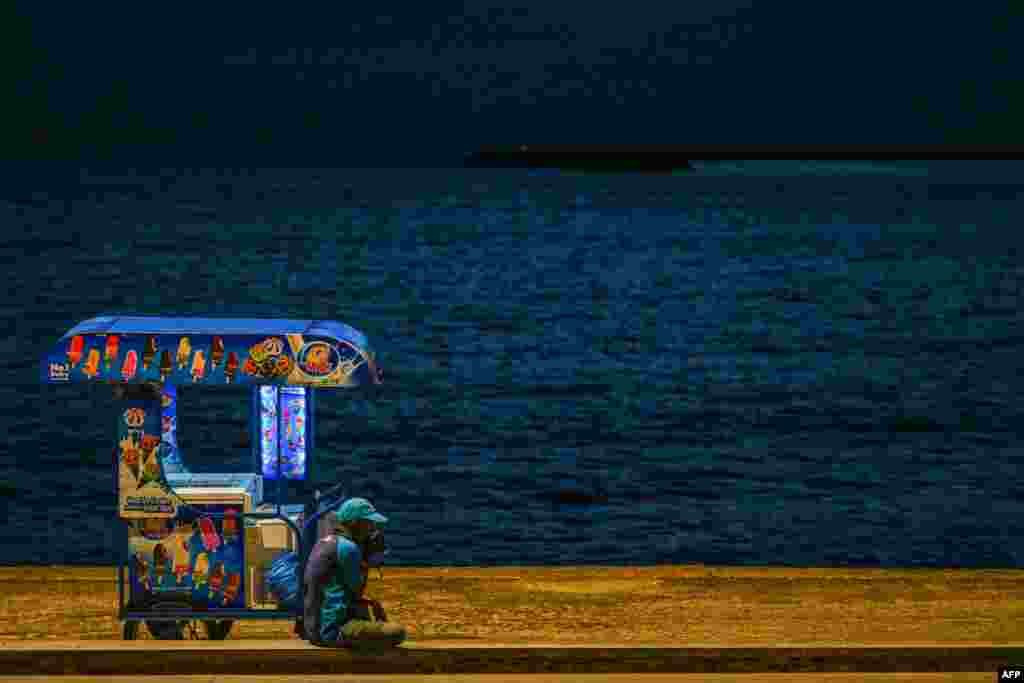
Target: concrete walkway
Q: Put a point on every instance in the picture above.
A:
(282, 657)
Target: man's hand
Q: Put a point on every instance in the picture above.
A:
(364, 568)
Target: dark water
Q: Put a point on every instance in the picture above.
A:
(775, 367)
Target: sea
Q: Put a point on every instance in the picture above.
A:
(794, 364)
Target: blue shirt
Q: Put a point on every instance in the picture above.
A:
(342, 590)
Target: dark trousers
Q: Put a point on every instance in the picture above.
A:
(367, 625)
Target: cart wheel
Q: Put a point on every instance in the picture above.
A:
(190, 630)
(131, 630)
(218, 630)
(167, 630)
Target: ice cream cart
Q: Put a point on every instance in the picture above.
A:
(196, 545)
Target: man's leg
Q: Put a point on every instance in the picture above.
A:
(357, 632)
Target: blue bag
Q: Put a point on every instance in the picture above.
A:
(282, 578)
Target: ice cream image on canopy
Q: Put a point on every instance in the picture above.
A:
(198, 366)
(92, 364)
(200, 570)
(217, 352)
(131, 364)
(184, 350)
(110, 355)
(165, 364)
(75, 349)
(148, 352)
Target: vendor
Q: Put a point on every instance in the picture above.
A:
(335, 579)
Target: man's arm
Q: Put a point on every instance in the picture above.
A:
(352, 563)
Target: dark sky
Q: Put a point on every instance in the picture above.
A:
(428, 82)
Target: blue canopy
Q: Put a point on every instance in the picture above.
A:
(185, 350)
(138, 324)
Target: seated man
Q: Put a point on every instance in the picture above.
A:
(336, 573)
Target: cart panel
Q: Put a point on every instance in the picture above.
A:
(193, 558)
(139, 453)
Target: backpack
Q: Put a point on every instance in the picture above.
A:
(282, 579)
(282, 576)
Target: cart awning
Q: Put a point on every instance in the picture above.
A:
(212, 351)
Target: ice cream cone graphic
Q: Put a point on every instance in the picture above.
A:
(141, 477)
(150, 470)
(130, 456)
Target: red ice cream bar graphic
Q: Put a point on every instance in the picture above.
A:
(75, 350)
(110, 353)
(230, 525)
(211, 539)
(131, 365)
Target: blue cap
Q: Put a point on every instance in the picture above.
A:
(359, 508)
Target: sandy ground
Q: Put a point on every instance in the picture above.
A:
(680, 605)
